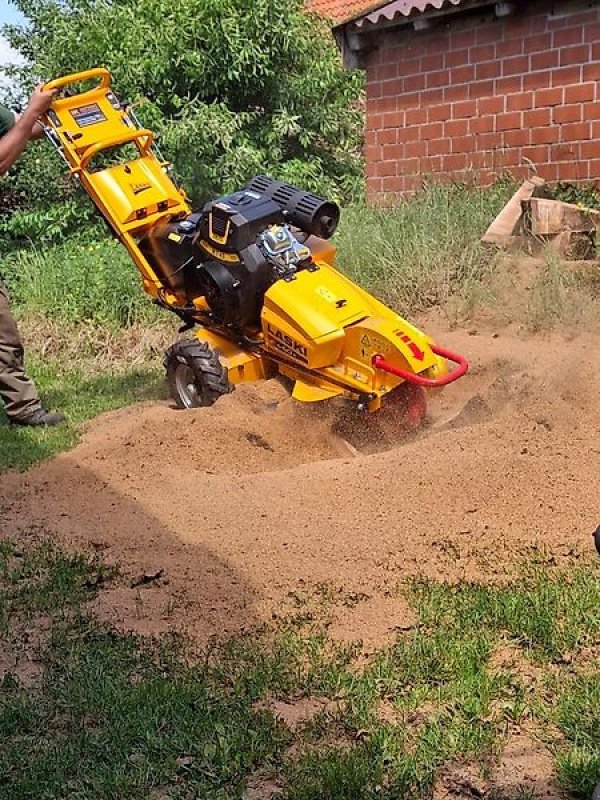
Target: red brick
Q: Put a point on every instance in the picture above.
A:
(483, 52)
(393, 152)
(416, 116)
(438, 147)
(580, 54)
(591, 72)
(437, 79)
(409, 100)
(373, 154)
(565, 76)
(462, 74)
(464, 144)
(591, 111)
(545, 60)
(387, 72)
(392, 88)
(568, 36)
(547, 171)
(479, 89)
(576, 170)
(562, 114)
(462, 39)
(407, 134)
(415, 149)
(549, 97)
(591, 32)
(590, 149)
(509, 47)
(595, 169)
(431, 165)
(510, 121)
(539, 42)
(491, 105)
(410, 67)
(467, 108)
(536, 80)
(536, 118)
(576, 131)
(435, 130)
(408, 166)
(487, 70)
(536, 154)
(546, 135)
(456, 58)
(439, 113)
(395, 120)
(595, 51)
(454, 162)
(385, 168)
(509, 85)
(456, 127)
(454, 94)
(482, 124)
(434, 62)
(515, 66)
(584, 18)
(387, 136)
(580, 93)
(517, 138)
(562, 152)
(489, 33)
(414, 83)
(519, 102)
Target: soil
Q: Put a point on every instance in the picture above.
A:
(217, 517)
(226, 517)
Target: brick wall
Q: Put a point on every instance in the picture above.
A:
(480, 96)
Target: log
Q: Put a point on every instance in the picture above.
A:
(543, 217)
(506, 225)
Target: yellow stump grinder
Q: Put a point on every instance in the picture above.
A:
(251, 273)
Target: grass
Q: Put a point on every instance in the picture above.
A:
(81, 397)
(115, 715)
(424, 250)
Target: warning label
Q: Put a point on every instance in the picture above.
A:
(88, 115)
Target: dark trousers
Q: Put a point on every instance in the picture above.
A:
(16, 390)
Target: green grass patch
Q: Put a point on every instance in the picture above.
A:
(81, 397)
(116, 715)
(75, 282)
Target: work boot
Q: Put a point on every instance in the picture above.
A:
(40, 418)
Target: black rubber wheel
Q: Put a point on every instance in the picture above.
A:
(195, 375)
(597, 543)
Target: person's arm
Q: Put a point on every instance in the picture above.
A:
(15, 140)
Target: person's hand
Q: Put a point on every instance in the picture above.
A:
(40, 101)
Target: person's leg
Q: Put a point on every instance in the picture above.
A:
(22, 404)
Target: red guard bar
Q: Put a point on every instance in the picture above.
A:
(379, 362)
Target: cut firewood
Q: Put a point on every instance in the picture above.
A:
(507, 223)
(543, 217)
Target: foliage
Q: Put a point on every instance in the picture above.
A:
(233, 88)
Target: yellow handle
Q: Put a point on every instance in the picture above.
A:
(116, 141)
(78, 77)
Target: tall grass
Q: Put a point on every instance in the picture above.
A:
(73, 283)
(424, 250)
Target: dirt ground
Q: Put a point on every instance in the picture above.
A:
(257, 506)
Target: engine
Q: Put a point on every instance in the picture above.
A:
(249, 240)
(239, 245)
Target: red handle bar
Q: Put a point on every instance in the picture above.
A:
(379, 362)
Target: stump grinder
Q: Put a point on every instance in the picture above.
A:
(251, 273)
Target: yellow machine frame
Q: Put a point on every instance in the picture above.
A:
(321, 330)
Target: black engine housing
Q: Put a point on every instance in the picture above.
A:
(218, 253)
